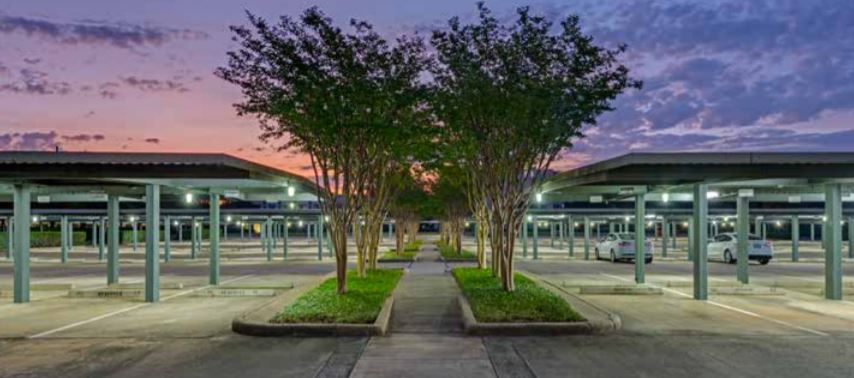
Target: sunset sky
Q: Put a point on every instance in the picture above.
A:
(138, 75)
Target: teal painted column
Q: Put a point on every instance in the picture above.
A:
(214, 238)
(285, 238)
(525, 237)
(63, 235)
(10, 237)
(113, 245)
(560, 233)
(586, 238)
(665, 236)
(850, 237)
(673, 232)
(552, 227)
(691, 239)
(70, 236)
(796, 238)
(167, 239)
(640, 239)
(570, 226)
(699, 228)
(268, 238)
(833, 251)
(135, 234)
(536, 244)
(102, 236)
(274, 234)
(194, 230)
(743, 225)
(21, 243)
(152, 243)
(318, 233)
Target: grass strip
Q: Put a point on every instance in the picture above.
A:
(450, 254)
(360, 305)
(529, 303)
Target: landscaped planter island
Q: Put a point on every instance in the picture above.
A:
(364, 310)
(534, 308)
(449, 254)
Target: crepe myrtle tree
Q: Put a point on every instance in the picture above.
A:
(327, 93)
(513, 96)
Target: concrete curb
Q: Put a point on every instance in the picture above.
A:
(598, 320)
(256, 322)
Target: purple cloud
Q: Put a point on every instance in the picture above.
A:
(121, 35)
(31, 81)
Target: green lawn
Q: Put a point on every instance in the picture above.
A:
(360, 305)
(448, 253)
(529, 303)
(392, 255)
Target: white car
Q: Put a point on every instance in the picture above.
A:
(621, 246)
(724, 247)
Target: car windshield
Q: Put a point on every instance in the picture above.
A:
(626, 236)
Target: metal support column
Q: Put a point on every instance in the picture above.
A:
(525, 237)
(699, 226)
(570, 226)
(796, 238)
(850, 237)
(586, 238)
(214, 239)
(194, 229)
(285, 238)
(640, 239)
(536, 236)
(152, 241)
(21, 243)
(268, 238)
(743, 225)
(833, 251)
(319, 234)
(167, 239)
(113, 218)
(63, 235)
(102, 236)
(665, 237)
(135, 234)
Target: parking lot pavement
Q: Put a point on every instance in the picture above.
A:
(226, 356)
(632, 355)
(798, 311)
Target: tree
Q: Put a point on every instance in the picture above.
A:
(512, 97)
(329, 94)
(407, 207)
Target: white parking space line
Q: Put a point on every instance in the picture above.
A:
(124, 310)
(731, 308)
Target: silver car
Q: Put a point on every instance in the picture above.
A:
(621, 246)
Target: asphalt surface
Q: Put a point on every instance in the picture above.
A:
(663, 336)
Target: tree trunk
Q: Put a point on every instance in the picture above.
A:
(338, 235)
(480, 235)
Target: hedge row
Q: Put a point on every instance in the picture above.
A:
(42, 239)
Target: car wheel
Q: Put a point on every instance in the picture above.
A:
(764, 261)
(648, 260)
(613, 257)
(728, 257)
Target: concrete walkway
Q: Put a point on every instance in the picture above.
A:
(425, 339)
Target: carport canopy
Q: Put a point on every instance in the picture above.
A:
(111, 176)
(702, 176)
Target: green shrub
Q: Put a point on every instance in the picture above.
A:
(45, 239)
(529, 303)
